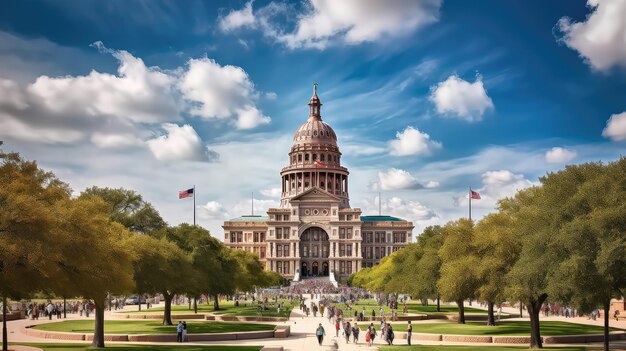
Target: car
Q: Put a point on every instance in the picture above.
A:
(134, 300)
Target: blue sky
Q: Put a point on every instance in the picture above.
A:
(427, 97)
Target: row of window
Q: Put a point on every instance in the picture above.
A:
(349, 217)
(239, 237)
(377, 252)
(383, 237)
(314, 251)
(310, 158)
(282, 250)
(345, 267)
(282, 267)
(282, 233)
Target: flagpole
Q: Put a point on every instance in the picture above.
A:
(252, 203)
(470, 203)
(194, 205)
(380, 212)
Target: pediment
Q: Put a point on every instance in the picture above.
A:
(316, 195)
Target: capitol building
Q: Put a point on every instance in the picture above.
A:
(315, 232)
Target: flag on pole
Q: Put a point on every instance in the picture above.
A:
(185, 193)
(474, 195)
(319, 164)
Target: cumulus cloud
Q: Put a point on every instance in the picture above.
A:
(213, 210)
(599, 39)
(236, 19)
(616, 127)
(180, 143)
(411, 141)
(117, 110)
(260, 207)
(272, 192)
(325, 22)
(461, 99)
(217, 91)
(496, 185)
(397, 179)
(560, 155)
(395, 206)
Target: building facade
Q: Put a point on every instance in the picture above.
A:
(315, 232)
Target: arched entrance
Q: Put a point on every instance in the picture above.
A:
(314, 251)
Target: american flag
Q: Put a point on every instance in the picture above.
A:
(319, 164)
(474, 195)
(185, 193)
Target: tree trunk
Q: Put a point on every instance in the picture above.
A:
(195, 305)
(534, 307)
(98, 331)
(521, 310)
(167, 310)
(5, 341)
(438, 304)
(491, 320)
(216, 303)
(607, 308)
(64, 308)
(139, 302)
(461, 312)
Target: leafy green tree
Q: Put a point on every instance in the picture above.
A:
(129, 209)
(99, 257)
(29, 245)
(427, 269)
(496, 249)
(458, 280)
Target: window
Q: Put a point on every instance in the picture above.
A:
(349, 267)
(286, 217)
(315, 251)
(349, 250)
(314, 157)
(279, 251)
(377, 253)
(286, 267)
(324, 251)
(262, 253)
(279, 267)
(342, 233)
(286, 250)
(299, 157)
(342, 267)
(305, 251)
(349, 233)
(322, 158)
(342, 250)
(306, 157)
(279, 233)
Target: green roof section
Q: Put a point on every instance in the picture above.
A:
(250, 219)
(381, 219)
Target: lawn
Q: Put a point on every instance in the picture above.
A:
(504, 328)
(151, 327)
(469, 348)
(245, 308)
(128, 347)
(414, 307)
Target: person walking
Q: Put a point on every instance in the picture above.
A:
(347, 330)
(390, 334)
(179, 332)
(337, 327)
(355, 333)
(49, 310)
(320, 333)
(184, 331)
(409, 331)
(372, 333)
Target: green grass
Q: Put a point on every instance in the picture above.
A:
(515, 328)
(245, 308)
(129, 347)
(414, 307)
(469, 348)
(151, 327)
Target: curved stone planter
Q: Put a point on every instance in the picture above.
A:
(227, 318)
(281, 331)
(155, 316)
(515, 340)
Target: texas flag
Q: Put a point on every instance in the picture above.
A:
(185, 193)
(319, 164)
(474, 195)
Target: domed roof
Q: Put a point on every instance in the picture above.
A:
(314, 130)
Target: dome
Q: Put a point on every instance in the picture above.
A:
(314, 130)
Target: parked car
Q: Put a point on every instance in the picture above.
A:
(134, 300)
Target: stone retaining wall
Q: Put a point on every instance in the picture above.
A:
(208, 317)
(13, 316)
(155, 316)
(522, 340)
(226, 318)
(282, 331)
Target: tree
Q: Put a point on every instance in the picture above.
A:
(458, 280)
(496, 250)
(129, 209)
(29, 245)
(99, 257)
(427, 269)
(162, 267)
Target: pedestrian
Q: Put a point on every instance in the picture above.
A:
(179, 332)
(371, 331)
(409, 331)
(355, 333)
(184, 331)
(390, 334)
(320, 333)
(337, 327)
(347, 330)
(49, 310)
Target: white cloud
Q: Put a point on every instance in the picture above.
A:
(236, 19)
(496, 186)
(103, 140)
(326, 22)
(272, 192)
(221, 92)
(260, 207)
(397, 179)
(398, 207)
(180, 144)
(560, 155)
(213, 210)
(616, 127)
(117, 110)
(461, 99)
(600, 39)
(412, 142)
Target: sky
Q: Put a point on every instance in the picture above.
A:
(427, 98)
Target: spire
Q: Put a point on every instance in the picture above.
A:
(315, 104)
